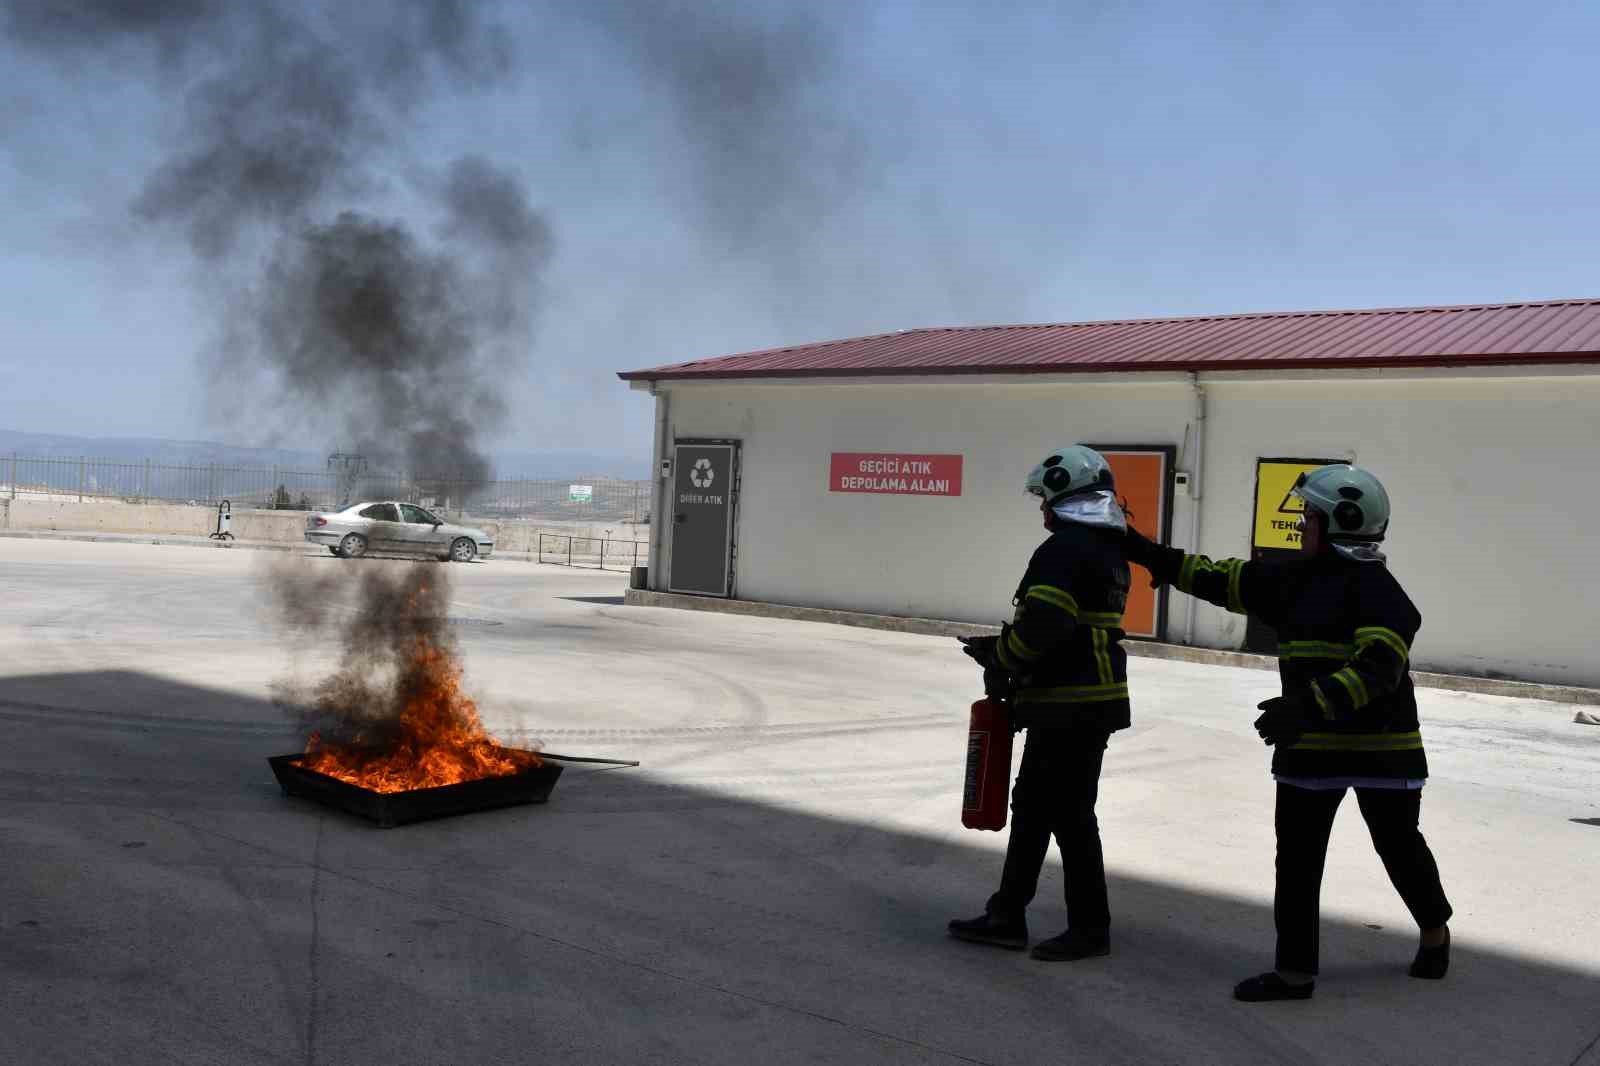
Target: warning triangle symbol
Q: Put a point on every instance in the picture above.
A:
(1292, 504)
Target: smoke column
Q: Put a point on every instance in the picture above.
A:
(356, 327)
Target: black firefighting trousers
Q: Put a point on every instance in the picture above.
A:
(1304, 819)
(1055, 795)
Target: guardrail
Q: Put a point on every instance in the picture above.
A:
(562, 551)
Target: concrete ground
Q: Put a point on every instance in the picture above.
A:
(770, 886)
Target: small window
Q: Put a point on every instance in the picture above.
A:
(380, 512)
(417, 515)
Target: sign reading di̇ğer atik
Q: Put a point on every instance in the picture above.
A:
(895, 473)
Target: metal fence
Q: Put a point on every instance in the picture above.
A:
(84, 479)
(593, 553)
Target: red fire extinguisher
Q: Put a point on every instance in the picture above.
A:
(983, 803)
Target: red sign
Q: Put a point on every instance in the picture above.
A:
(895, 474)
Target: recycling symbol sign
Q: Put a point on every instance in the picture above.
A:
(701, 475)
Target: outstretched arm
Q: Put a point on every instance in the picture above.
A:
(1237, 585)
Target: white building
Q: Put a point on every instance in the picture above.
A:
(884, 474)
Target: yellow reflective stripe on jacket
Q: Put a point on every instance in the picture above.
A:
(1230, 569)
(1235, 568)
(1314, 649)
(1055, 597)
(1382, 635)
(1018, 648)
(1186, 572)
(1103, 619)
(1411, 741)
(1353, 685)
(1074, 694)
(1103, 659)
(1322, 701)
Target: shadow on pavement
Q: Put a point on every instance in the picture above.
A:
(162, 900)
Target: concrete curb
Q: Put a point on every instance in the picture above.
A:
(1147, 649)
(143, 538)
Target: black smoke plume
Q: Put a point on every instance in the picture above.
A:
(294, 118)
(380, 616)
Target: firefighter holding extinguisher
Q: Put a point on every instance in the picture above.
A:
(1060, 668)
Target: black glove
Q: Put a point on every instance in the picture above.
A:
(1162, 562)
(982, 649)
(999, 684)
(1286, 718)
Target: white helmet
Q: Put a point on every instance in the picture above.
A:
(1355, 503)
(1067, 472)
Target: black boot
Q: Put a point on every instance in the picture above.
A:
(1000, 930)
(1431, 963)
(1072, 946)
(1269, 987)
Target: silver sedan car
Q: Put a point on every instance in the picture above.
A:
(395, 527)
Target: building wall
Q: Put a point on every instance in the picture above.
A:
(1487, 475)
(1494, 516)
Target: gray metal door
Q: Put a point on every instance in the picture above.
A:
(703, 490)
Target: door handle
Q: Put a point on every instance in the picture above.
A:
(680, 518)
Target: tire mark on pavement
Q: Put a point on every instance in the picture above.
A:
(313, 961)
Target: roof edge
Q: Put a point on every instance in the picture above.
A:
(661, 371)
(674, 373)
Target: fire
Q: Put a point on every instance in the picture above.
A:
(440, 741)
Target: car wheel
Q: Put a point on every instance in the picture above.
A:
(463, 550)
(353, 546)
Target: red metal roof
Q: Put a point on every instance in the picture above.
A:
(1556, 331)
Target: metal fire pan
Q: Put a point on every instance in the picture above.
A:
(389, 809)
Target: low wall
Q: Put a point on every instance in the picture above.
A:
(114, 516)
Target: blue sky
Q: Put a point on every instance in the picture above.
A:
(723, 178)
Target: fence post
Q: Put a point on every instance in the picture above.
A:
(602, 553)
(13, 475)
(83, 468)
(569, 549)
(144, 484)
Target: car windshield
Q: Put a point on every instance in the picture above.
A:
(416, 514)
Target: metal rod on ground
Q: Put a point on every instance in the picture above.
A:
(588, 759)
(13, 475)
(83, 468)
(602, 553)
(569, 549)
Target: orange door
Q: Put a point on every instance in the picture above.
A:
(1144, 479)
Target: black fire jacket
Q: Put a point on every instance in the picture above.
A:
(1064, 643)
(1345, 631)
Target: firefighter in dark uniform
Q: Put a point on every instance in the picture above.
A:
(1347, 717)
(1061, 666)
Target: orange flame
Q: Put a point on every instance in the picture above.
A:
(441, 742)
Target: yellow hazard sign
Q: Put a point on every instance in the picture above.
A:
(1278, 513)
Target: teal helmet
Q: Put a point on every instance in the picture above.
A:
(1067, 472)
(1353, 501)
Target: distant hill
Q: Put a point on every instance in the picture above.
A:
(527, 464)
